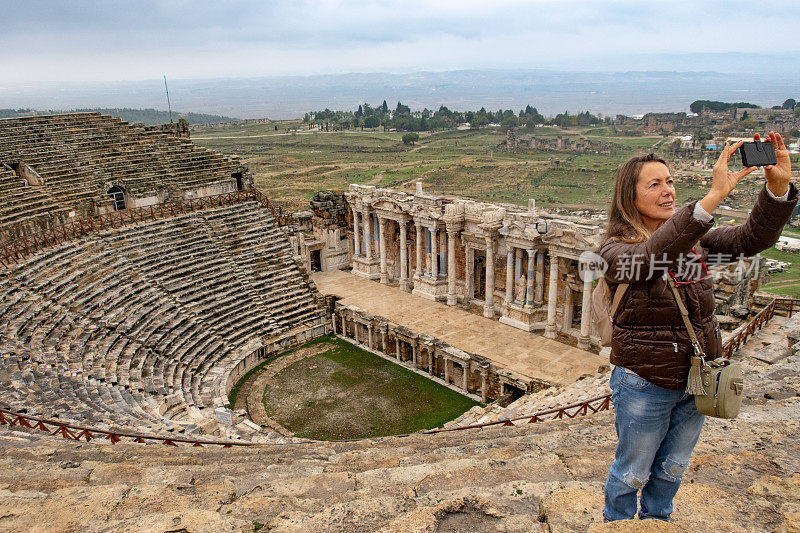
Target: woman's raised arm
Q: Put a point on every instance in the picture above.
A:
(767, 218)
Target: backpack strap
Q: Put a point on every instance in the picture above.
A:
(618, 294)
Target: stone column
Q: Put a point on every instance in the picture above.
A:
(369, 336)
(397, 347)
(355, 331)
(518, 265)
(443, 255)
(382, 248)
(586, 317)
(427, 251)
(367, 235)
(414, 353)
(430, 363)
(509, 275)
(469, 273)
(356, 234)
(488, 307)
(333, 320)
(539, 279)
(403, 257)
(419, 250)
(452, 299)
(434, 253)
(529, 278)
(465, 376)
(446, 370)
(483, 386)
(552, 297)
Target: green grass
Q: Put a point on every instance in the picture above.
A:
(234, 393)
(346, 393)
(788, 278)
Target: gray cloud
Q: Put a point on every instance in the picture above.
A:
(99, 40)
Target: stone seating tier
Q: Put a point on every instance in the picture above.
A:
(135, 327)
(78, 156)
(743, 477)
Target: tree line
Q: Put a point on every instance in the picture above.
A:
(402, 118)
(698, 106)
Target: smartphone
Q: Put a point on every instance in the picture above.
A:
(757, 154)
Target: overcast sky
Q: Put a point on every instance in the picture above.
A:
(79, 40)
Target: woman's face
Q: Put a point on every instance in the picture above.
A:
(655, 194)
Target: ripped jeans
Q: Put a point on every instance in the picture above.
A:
(657, 430)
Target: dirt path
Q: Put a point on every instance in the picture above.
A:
(339, 166)
(780, 281)
(781, 285)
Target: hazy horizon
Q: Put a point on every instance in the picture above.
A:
(250, 58)
(282, 97)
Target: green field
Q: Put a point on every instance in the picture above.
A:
(292, 163)
(346, 393)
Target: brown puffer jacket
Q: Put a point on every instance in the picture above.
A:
(649, 336)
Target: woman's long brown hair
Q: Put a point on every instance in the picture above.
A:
(625, 223)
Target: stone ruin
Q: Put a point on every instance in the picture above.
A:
(514, 143)
(56, 168)
(518, 264)
(146, 328)
(321, 241)
(766, 118)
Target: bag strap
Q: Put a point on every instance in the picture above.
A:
(698, 350)
(618, 294)
(694, 383)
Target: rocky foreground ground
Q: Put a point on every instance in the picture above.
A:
(744, 476)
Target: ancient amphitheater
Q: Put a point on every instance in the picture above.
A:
(142, 276)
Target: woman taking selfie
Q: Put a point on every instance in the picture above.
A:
(646, 240)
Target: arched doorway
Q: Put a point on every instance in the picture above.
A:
(117, 194)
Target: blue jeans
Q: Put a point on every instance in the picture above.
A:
(657, 430)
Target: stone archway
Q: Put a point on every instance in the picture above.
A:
(118, 196)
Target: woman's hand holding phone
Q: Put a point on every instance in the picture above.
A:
(777, 175)
(724, 181)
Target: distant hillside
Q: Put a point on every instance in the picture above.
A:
(148, 116)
